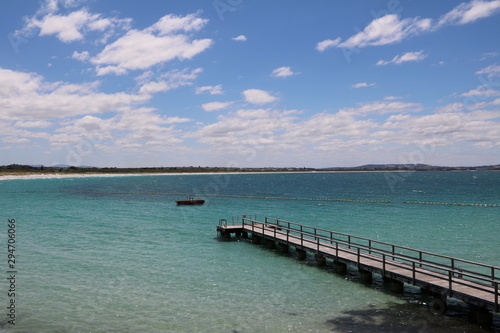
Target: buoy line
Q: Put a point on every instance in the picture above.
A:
(449, 204)
(263, 197)
(208, 195)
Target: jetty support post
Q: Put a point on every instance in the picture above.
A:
(282, 248)
(256, 239)
(301, 254)
(481, 316)
(395, 286)
(341, 267)
(269, 243)
(320, 259)
(366, 276)
(224, 235)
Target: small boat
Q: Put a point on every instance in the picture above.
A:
(190, 201)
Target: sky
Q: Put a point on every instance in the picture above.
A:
(249, 83)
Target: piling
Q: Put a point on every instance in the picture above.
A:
(301, 254)
(341, 268)
(366, 276)
(320, 259)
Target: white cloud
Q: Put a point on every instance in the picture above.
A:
(72, 27)
(384, 107)
(26, 96)
(268, 131)
(33, 124)
(406, 57)
(387, 29)
(212, 90)
(136, 130)
(66, 28)
(390, 28)
(326, 44)
(488, 55)
(214, 106)
(469, 12)
(282, 72)
(481, 91)
(453, 107)
(492, 70)
(477, 128)
(240, 38)
(322, 127)
(170, 80)
(255, 128)
(363, 85)
(173, 23)
(81, 56)
(151, 46)
(257, 96)
(483, 105)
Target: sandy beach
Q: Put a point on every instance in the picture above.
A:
(81, 175)
(89, 175)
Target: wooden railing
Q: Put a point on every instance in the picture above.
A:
(454, 271)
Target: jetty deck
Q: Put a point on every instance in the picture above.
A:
(442, 276)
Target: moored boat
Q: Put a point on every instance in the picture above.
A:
(190, 201)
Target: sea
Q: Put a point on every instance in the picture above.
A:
(116, 254)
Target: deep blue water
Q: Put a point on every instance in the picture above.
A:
(115, 254)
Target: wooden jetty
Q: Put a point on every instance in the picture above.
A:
(441, 276)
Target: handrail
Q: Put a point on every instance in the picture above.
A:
(370, 249)
(416, 264)
(385, 243)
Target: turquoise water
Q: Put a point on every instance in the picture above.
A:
(114, 254)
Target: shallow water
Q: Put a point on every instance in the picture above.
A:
(117, 255)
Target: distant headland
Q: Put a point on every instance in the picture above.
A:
(18, 169)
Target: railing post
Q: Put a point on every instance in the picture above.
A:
(318, 245)
(349, 241)
(383, 264)
(496, 297)
(287, 235)
(331, 237)
(359, 254)
(337, 250)
(413, 272)
(493, 276)
(369, 246)
(420, 258)
(301, 239)
(450, 277)
(393, 250)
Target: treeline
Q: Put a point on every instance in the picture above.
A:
(17, 168)
(20, 169)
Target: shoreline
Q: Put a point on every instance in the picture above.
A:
(91, 175)
(28, 175)
(96, 175)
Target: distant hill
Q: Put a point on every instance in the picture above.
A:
(414, 167)
(69, 166)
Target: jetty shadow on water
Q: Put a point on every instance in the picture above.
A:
(403, 318)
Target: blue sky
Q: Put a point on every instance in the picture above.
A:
(249, 83)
